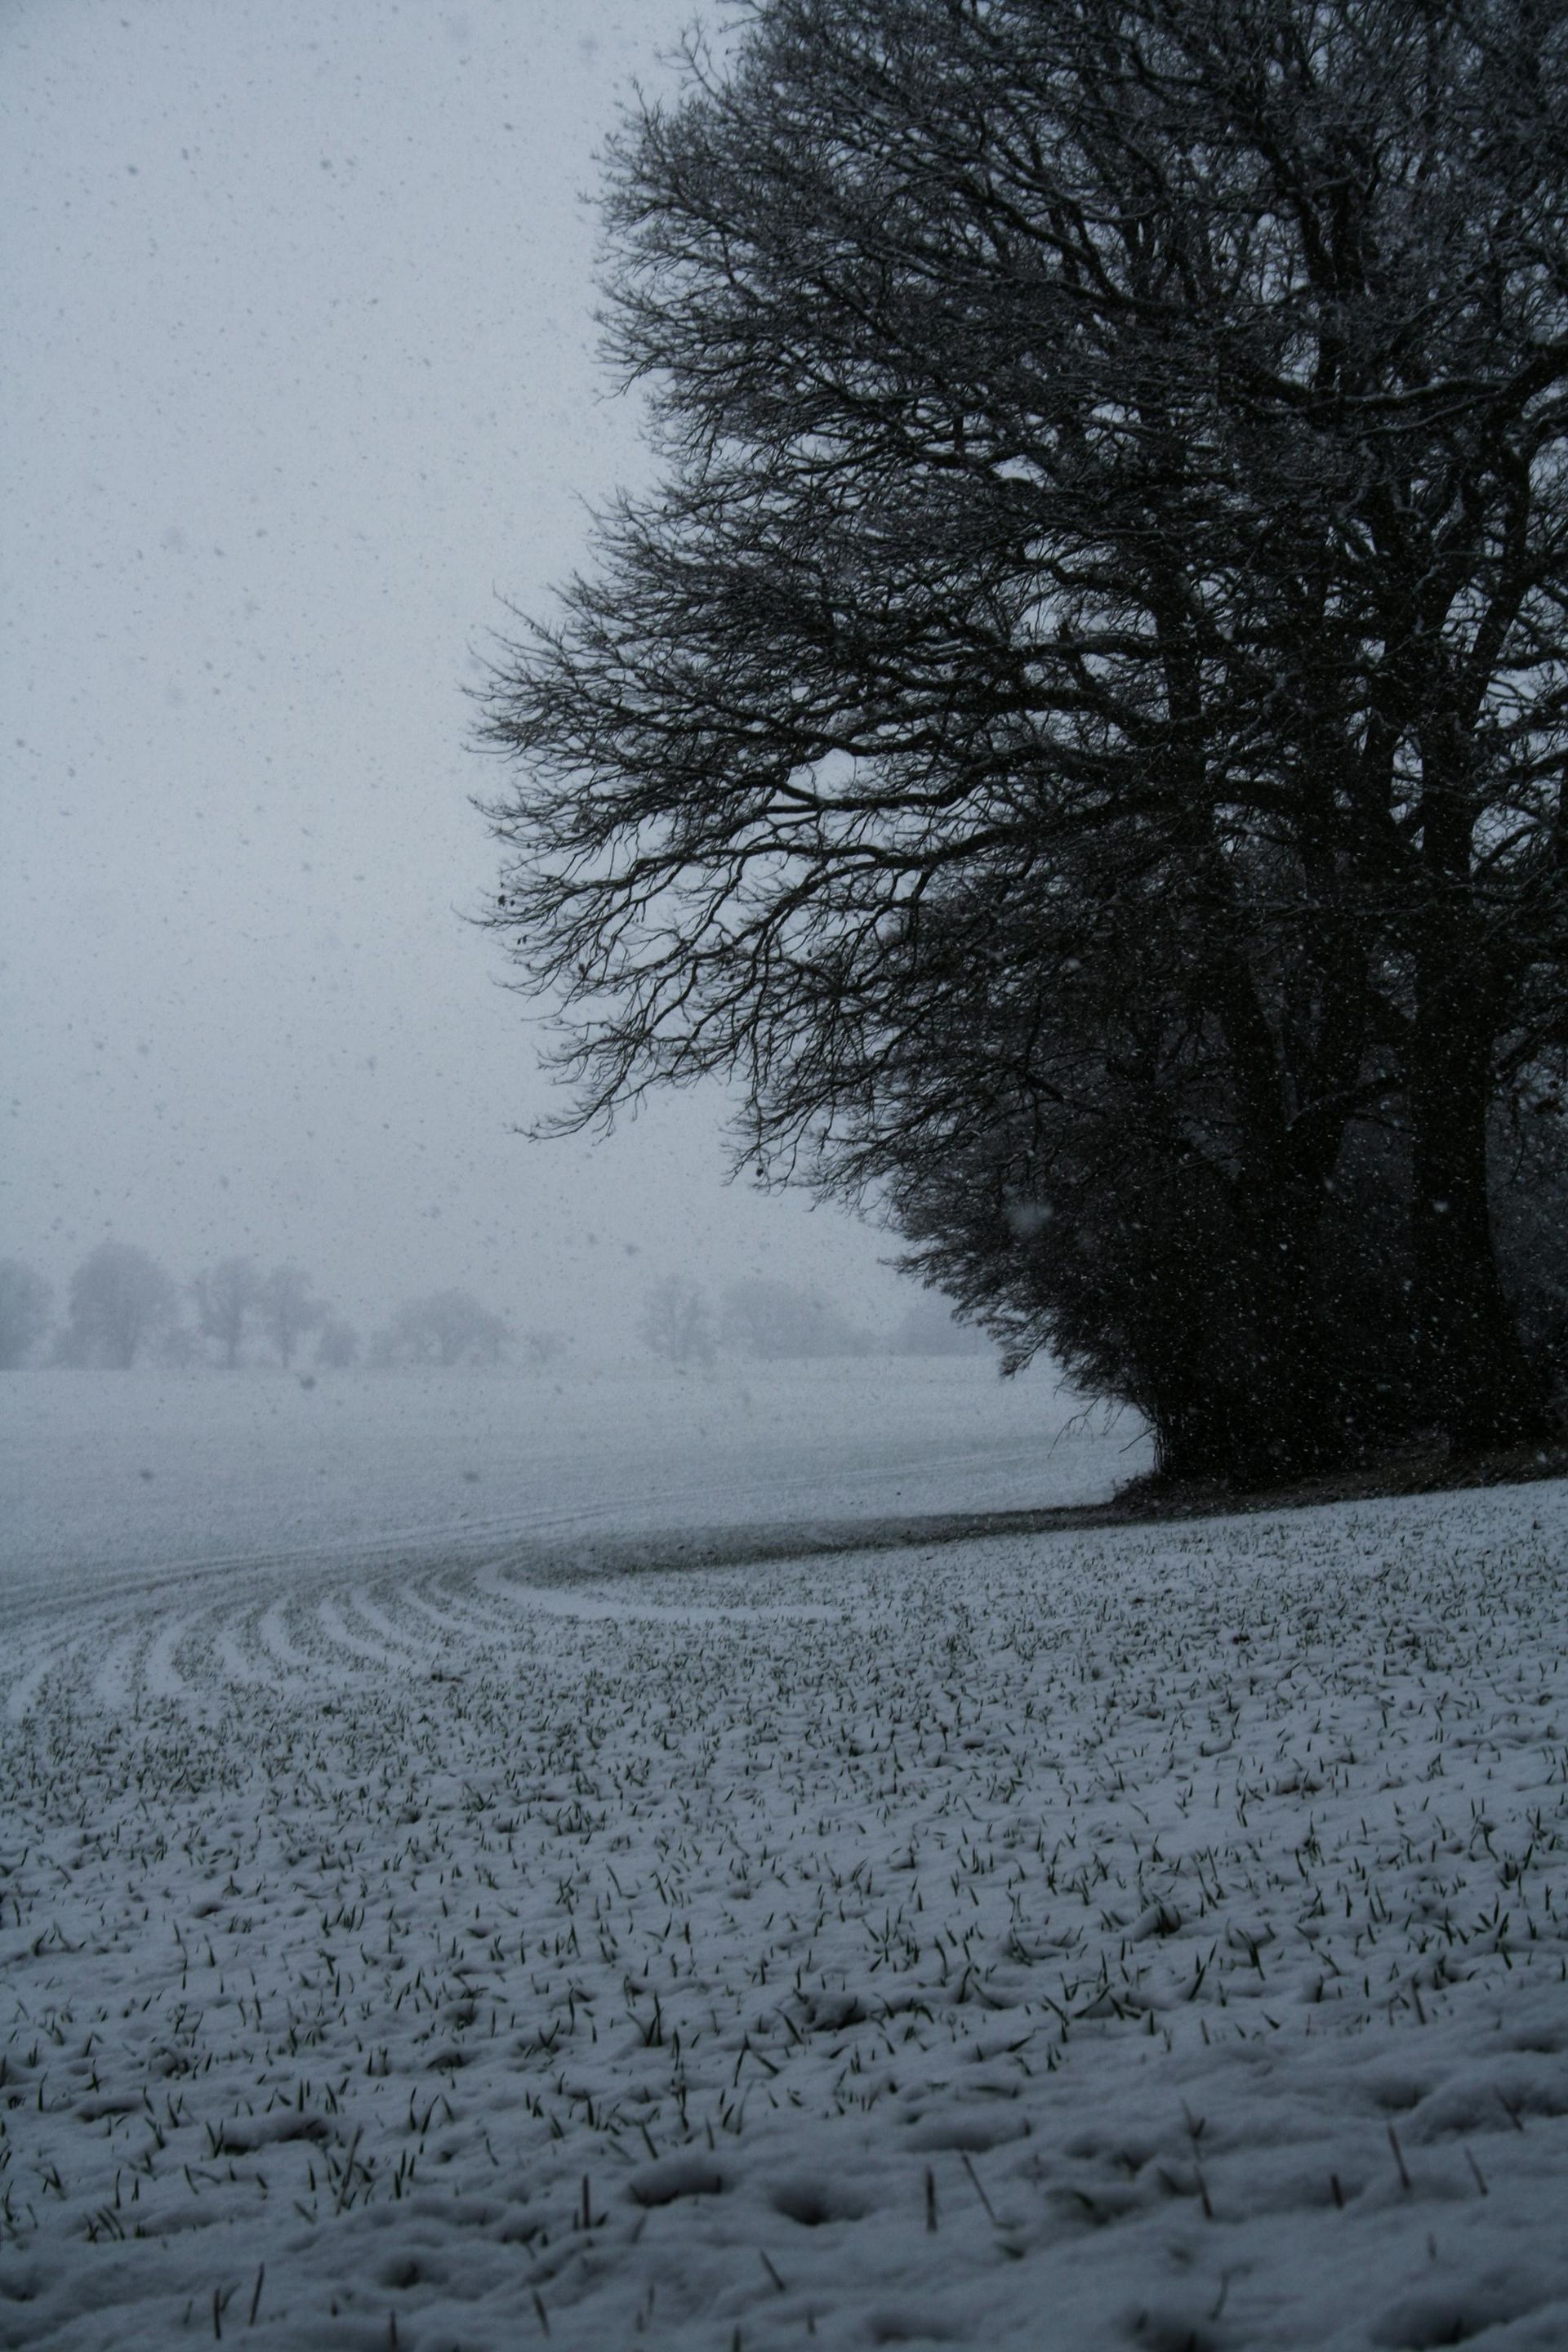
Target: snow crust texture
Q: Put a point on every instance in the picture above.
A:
(1144, 1939)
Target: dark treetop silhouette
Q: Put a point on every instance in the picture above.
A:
(1077, 727)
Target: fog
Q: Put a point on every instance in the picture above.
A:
(302, 385)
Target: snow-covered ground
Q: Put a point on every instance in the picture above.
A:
(106, 1475)
(1141, 1938)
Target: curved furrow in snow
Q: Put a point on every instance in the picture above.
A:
(1082, 1897)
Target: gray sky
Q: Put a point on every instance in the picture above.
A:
(301, 379)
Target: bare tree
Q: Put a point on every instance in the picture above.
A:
(120, 1298)
(288, 1309)
(928, 1326)
(1112, 487)
(773, 1320)
(544, 1348)
(24, 1311)
(226, 1298)
(677, 1323)
(445, 1327)
(338, 1346)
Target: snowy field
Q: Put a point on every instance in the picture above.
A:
(106, 1476)
(1141, 1938)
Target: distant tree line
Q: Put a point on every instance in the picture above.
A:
(771, 1322)
(122, 1307)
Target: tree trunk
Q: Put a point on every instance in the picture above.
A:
(1302, 1427)
(1283, 1419)
(1240, 1389)
(1484, 1393)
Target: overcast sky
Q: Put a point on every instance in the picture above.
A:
(302, 381)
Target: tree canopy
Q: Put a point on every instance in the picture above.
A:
(444, 1328)
(120, 1298)
(1077, 727)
